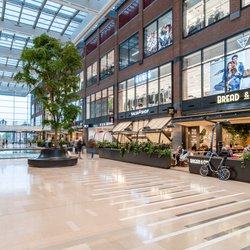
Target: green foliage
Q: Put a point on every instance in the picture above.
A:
(100, 144)
(63, 142)
(164, 152)
(137, 148)
(246, 156)
(50, 67)
(202, 134)
(106, 144)
(122, 150)
(239, 129)
(150, 149)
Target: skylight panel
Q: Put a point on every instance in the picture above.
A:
(37, 3)
(52, 6)
(3, 60)
(12, 12)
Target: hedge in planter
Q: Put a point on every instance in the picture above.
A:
(140, 153)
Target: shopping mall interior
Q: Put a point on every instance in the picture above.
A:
(124, 124)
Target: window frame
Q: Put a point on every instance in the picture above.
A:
(157, 30)
(226, 54)
(128, 51)
(204, 20)
(93, 79)
(102, 77)
(147, 82)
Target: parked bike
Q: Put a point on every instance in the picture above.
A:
(222, 172)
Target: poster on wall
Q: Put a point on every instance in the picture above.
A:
(165, 35)
(237, 70)
(235, 76)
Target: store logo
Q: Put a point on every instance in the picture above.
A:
(228, 98)
(197, 161)
(243, 41)
(140, 112)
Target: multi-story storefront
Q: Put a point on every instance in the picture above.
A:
(156, 55)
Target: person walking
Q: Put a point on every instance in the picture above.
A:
(91, 145)
(79, 148)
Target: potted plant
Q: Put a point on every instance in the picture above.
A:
(50, 68)
(158, 155)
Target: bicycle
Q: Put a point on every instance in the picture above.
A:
(222, 172)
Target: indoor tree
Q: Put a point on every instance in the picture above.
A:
(50, 67)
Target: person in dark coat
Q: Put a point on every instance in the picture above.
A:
(224, 152)
(79, 148)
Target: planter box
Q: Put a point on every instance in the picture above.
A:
(142, 158)
(50, 158)
(238, 172)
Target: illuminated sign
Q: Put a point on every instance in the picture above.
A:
(234, 97)
(140, 112)
(228, 98)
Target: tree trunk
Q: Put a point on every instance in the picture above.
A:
(56, 138)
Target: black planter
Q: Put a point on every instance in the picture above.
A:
(50, 157)
(239, 171)
(143, 158)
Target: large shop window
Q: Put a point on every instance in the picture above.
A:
(129, 51)
(81, 82)
(200, 13)
(213, 63)
(130, 94)
(165, 84)
(107, 65)
(245, 3)
(88, 107)
(100, 103)
(218, 73)
(122, 97)
(92, 74)
(158, 35)
(111, 100)
(192, 76)
(151, 88)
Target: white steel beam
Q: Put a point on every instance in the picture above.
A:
(28, 30)
(93, 6)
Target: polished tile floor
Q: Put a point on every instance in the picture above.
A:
(102, 204)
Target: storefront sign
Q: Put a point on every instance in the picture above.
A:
(103, 124)
(197, 161)
(140, 112)
(228, 98)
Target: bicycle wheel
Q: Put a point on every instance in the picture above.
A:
(224, 173)
(204, 170)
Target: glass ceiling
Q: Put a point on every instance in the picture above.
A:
(44, 14)
(21, 20)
